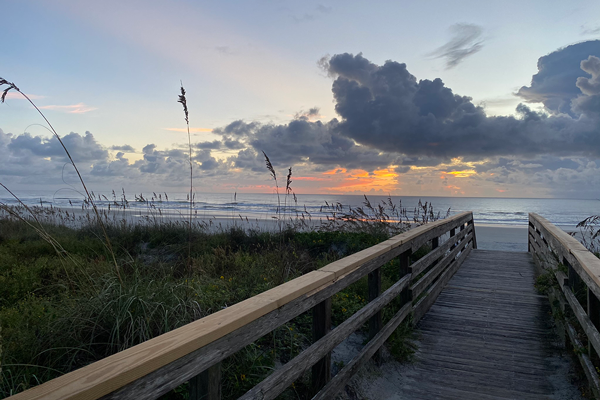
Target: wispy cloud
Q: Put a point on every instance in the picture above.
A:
(15, 95)
(71, 109)
(465, 41)
(320, 9)
(585, 30)
(193, 130)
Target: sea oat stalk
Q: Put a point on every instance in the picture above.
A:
(90, 198)
(183, 102)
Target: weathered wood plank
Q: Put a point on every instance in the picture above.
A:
(590, 330)
(340, 380)
(432, 274)
(207, 385)
(172, 375)
(585, 263)
(321, 371)
(488, 335)
(375, 322)
(588, 367)
(279, 380)
(421, 264)
(426, 302)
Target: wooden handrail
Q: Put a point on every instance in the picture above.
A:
(554, 250)
(158, 365)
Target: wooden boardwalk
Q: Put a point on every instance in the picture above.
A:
(489, 336)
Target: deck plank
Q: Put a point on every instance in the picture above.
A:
(488, 336)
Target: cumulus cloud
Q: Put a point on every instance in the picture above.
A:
(37, 160)
(125, 148)
(555, 85)
(386, 108)
(465, 41)
(305, 142)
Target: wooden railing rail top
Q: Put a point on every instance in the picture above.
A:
(571, 247)
(108, 375)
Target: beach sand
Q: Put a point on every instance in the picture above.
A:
(489, 236)
(505, 237)
(501, 237)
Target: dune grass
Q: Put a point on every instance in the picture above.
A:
(60, 314)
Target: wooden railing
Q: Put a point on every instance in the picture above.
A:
(194, 352)
(576, 303)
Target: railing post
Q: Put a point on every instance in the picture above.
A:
(375, 321)
(207, 384)
(404, 258)
(593, 311)
(474, 240)
(574, 280)
(321, 371)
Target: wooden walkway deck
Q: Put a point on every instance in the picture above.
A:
(489, 336)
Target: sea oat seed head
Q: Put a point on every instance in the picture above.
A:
(5, 92)
(183, 101)
(270, 166)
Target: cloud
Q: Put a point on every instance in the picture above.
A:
(19, 96)
(304, 142)
(555, 83)
(590, 86)
(465, 41)
(82, 148)
(41, 161)
(320, 9)
(312, 113)
(226, 50)
(386, 108)
(215, 144)
(589, 104)
(590, 31)
(192, 130)
(71, 109)
(125, 148)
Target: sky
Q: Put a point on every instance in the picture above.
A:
(429, 98)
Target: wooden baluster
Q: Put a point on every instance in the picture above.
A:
(452, 233)
(321, 371)
(207, 384)
(593, 311)
(375, 321)
(406, 295)
(474, 240)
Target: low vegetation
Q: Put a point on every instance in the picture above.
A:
(61, 310)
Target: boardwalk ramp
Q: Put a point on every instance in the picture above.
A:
(489, 335)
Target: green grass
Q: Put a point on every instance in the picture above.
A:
(61, 312)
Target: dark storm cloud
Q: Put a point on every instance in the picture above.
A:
(302, 141)
(555, 83)
(386, 108)
(465, 41)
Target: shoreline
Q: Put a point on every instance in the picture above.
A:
(490, 236)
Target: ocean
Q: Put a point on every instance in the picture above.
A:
(566, 213)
